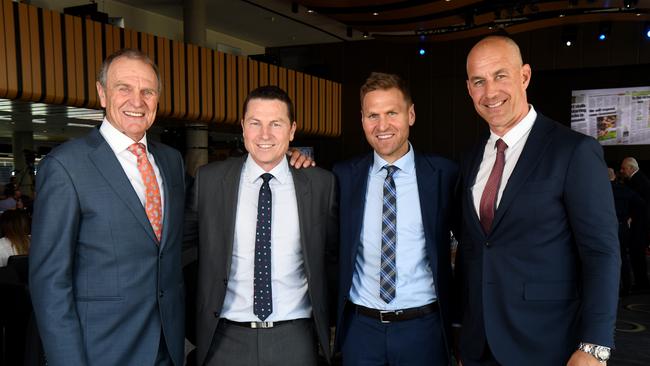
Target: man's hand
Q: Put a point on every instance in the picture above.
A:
(298, 160)
(580, 358)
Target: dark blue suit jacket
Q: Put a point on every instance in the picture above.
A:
(436, 178)
(546, 277)
(102, 288)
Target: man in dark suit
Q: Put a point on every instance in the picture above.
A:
(264, 229)
(538, 250)
(105, 270)
(630, 209)
(640, 230)
(394, 256)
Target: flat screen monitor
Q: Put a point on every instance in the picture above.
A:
(618, 116)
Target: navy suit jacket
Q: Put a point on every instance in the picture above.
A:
(436, 178)
(546, 277)
(103, 289)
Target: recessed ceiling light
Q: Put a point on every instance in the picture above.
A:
(561, 15)
(310, 11)
(375, 14)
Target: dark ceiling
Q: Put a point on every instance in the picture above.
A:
(454, 19)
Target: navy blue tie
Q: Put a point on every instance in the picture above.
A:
(263, 300)
(388, 270)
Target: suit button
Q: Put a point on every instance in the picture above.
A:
(161, 256)
(487, 244)
(225, 282)
(161, 293)
(216, 315)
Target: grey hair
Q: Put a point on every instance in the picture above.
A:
(129, 53)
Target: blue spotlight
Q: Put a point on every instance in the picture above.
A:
(602, 37)
(422, 52)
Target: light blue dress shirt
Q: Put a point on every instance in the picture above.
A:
(415, 285)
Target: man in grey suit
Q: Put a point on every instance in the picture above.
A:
(263, 229)
(105, 258)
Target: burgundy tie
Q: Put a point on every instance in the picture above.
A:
(490, 193)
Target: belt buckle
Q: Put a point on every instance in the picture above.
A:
(261, 325)
(382, 312)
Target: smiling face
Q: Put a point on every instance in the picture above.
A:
(497, 82)
(130, 96)
(267, 131)
(386, 118)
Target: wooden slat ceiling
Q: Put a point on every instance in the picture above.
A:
(455, 19)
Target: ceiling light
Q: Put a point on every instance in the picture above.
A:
(569, 35)
(604, 30)
(422, 52)
(365, 35)
(310, 11)
(375, 14)
(71, 124)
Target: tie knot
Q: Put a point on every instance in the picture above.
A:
(266, 177)
(501, 145)
(391, 169)
(137, 149)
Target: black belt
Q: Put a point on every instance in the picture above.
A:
(259, 325)
(387, 316)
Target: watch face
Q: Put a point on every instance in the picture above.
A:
(602, 353)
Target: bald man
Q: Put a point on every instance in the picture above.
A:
(538, 259)
(640, 230)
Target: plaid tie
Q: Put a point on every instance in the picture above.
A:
(263, 300)
(388, 270)
(489, 197)
(151, 190)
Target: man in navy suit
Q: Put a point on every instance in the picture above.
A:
(394, 257)
(105, 259)
(538, 256)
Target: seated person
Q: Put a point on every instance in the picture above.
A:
(16, 227)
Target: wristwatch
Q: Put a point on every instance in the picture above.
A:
(601, 353)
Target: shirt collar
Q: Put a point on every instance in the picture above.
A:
(252, 171)
(406, 163)
(116, 139)
(521, 129)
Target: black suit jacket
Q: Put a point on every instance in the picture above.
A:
(641, 228)
(546, 277)
(214, 207)
(436, 178)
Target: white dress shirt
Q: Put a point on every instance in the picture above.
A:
(414, 280)
(119, 143)
(288, 280)
(515, 139)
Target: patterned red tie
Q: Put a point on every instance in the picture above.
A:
(490, 193)
(151, 190)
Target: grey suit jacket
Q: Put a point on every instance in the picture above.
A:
(211, 215)
(103, 289)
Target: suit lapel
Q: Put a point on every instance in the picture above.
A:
(302, 187)
(109, 167)
(164, 167)
(474, 165)
(428, 179)
(359, 182)
(531, 154)
(229, 193)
